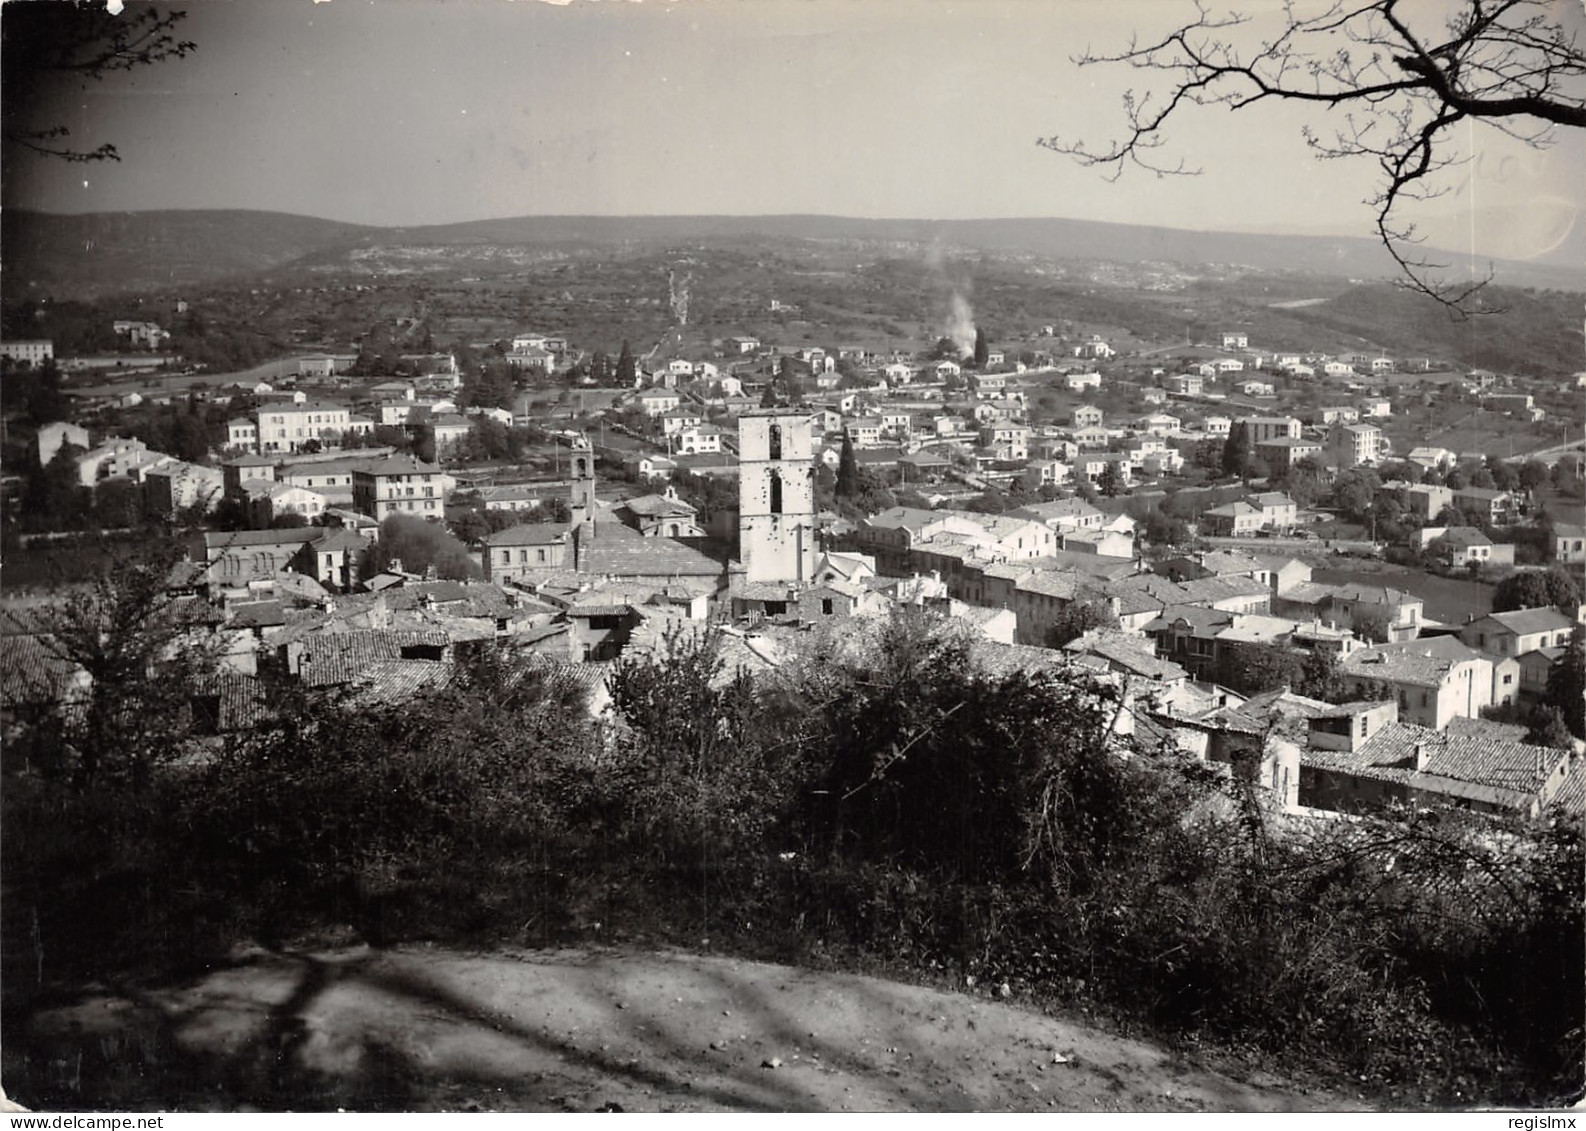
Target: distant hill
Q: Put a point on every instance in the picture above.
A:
(1537, 333)
(1341, 256)
(108, 252)
(95, 254)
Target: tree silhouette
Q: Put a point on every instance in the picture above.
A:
(626, 370)
(1401, 76)
(49, 47)
(1236, 450)
(1566, 686)
(982, 350)
(1548, 728)
(847, 469)
(424, 443)
(144, 651)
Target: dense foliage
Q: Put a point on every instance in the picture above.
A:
(889, 804)
(419, 546)
(1536, 589)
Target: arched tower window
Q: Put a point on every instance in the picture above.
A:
(776, 491)
(776, 441)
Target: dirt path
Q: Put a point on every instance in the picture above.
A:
(422, 1029)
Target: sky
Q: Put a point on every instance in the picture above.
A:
(409, 112)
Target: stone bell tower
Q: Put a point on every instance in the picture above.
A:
(582, 473)
(776, 495)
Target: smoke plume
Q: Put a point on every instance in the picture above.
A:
(961, 325)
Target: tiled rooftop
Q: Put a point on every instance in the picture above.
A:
(1524, 622)
(1132, 652)
(617, 551)
(215, 541)
(529, 534)
(1066, 584)
(330, 658)
(32, 670)
(1398, 667)
(1496, 770)
(395, 682)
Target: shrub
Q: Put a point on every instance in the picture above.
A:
(894, 807)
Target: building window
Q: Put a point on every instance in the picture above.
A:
(826, 606)
(776, 487)
(774, 437)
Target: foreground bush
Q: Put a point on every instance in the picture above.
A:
(899, 811)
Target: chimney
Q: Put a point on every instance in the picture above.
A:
(1421, 755)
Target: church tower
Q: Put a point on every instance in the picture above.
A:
(776, 495)
(582, 471)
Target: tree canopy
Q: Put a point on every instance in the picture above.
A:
(1535, 589)
(418, 545)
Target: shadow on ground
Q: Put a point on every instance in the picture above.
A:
(426, 1029)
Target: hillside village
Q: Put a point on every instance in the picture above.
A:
(1172, 519)
(942, 557)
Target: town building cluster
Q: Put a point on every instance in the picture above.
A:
(1059, 581)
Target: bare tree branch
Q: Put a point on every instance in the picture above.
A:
(51, 41)
(1509, 64)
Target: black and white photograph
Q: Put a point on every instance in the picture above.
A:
(792, 556)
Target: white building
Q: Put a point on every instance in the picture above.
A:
(401, 485)
(699, 440)
(1270, 427)
(30, 351)
(287, 427)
